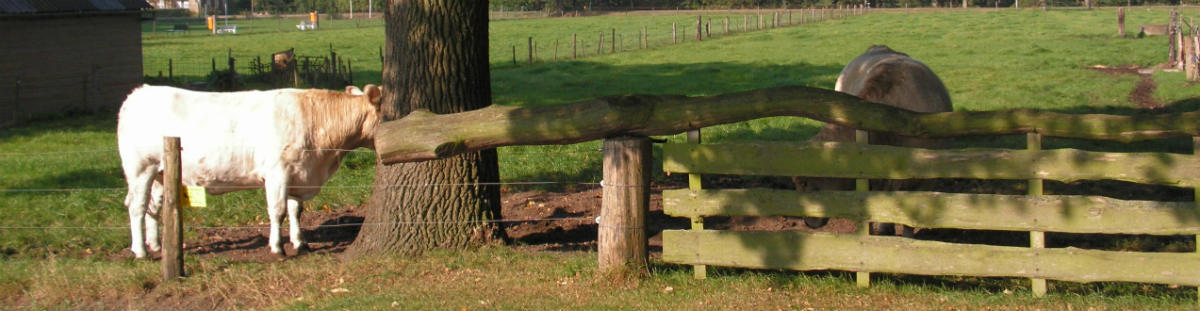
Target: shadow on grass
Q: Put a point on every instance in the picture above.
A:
(74, 122)
(77, 179)
(575, 81)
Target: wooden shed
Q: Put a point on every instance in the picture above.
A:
(66, 56)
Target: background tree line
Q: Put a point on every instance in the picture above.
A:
(557, 7)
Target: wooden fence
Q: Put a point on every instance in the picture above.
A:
(281, 69)
(608, 41)
(862, 253)
(424, 136)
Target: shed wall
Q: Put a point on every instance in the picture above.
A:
(67, 63)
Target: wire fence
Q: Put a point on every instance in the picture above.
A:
(53, 156)
(342, 225)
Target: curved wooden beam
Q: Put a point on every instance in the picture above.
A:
(422, 135)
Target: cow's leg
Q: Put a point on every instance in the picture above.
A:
(135, 200)
(276, 190)
(156, 192)
(295, 208)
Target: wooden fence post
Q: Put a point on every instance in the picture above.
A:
(574, 49)
(613, 41)
(1121, 21)
(1196, 151)
(864, 229)
(530, 50)
(555, 50)
(514, 48)
(600, 44)
(171, 214)
(626, 199)
(699, 272)
(673, 37)
(707, 33)
(170, 69)
(1172, 48)
(645, 38)
(1037, 239)
(745, 23)
(699, 25)
(727, 25)
(1195, 57)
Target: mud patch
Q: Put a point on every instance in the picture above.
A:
(1143, 92)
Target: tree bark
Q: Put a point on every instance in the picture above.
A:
(436, 59)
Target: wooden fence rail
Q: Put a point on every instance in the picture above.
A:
(1055, 213)
(423, 135)
(1035, 212)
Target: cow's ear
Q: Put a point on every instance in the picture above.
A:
(374, 93)
(353, 90)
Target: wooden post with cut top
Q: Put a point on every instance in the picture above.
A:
(625, 202)
(674, 39)
(171, 214)
(1121, 21)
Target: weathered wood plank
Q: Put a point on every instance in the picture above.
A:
(849, 160)
(172, 213)
(1054, 213)
(423, 135)
(819, 251)
(626, 199)
(1037, 239)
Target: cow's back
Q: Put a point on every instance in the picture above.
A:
(227, 138)
(885, 76)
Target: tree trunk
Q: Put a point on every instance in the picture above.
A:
(436, 59)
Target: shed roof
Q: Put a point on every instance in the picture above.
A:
(70, 6)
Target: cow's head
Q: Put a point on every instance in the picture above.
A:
(370, 95)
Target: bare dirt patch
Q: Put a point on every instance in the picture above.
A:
(536, 221)
(1142, 93)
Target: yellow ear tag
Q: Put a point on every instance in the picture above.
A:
(194, 197)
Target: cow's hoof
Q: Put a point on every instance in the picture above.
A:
(815, 222)
(303, 249)
(280, 256)
(883, 228)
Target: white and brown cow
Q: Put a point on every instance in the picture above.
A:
(288, 142)
(889, 77)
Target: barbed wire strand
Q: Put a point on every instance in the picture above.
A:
(259, 227)
(235, 188)
(106, 150)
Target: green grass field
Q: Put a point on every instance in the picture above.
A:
(989, 60)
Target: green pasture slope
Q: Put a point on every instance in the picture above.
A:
(988, 59)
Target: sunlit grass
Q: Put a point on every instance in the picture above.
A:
(988, 60)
